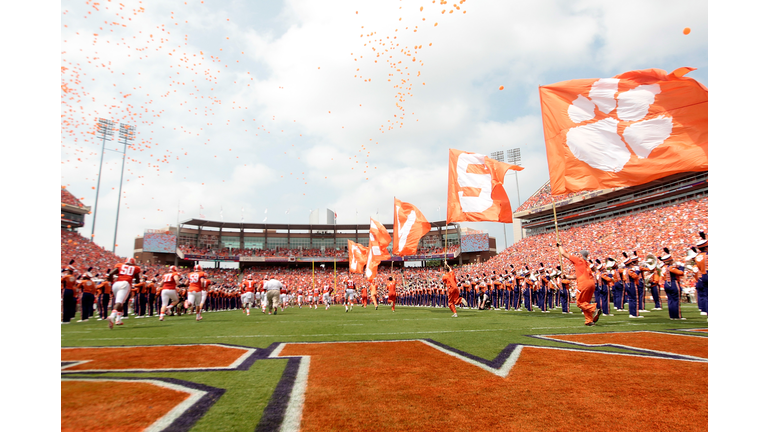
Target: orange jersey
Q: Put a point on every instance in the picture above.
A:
(126, 272)
(139, 288)
(205, 284)
(150, 287)
(364, 292)
(69, 282)
(194, 281)
(584, 276)
(87, 286)
(374, 291)
(169, 281)
(105, 287)
(392, 288)
(702, 262)
(450, 279)
(249, 285)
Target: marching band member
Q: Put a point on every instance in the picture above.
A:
(671, 275)
(631, 276)
(702, 262)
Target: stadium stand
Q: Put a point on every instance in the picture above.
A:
(86, 253)
(72, 211)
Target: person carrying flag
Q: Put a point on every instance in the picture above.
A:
(449, 279)
(586, 285)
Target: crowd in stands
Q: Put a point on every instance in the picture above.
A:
(543, 197)
(85, 253)
(68, 198)
(648, 232)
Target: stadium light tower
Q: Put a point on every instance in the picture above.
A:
(127, 134)
(513, 157)
(104, 130)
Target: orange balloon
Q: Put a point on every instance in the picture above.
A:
(501, 87)
(686, 31)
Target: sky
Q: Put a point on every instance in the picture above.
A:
(268, 110)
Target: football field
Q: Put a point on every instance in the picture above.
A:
(414, 369)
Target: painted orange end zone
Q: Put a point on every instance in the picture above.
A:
(678, 344)
(159, 357)
(421, 388)
(114, 405)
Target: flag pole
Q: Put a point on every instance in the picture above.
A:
(445, 243)
(313, 275)
(334, 274)
(557, 237)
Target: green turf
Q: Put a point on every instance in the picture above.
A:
(482, 333)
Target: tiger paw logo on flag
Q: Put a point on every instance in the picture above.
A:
(624, 131)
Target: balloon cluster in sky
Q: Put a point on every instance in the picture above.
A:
(200, 88)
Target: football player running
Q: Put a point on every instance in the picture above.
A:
(247, 289)
(195, 291)
(169, 295)
(126, 273)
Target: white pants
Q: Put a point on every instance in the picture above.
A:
(195, 298)
(350, 294)
(246, 298)
(301, 299)
(327, 298)
(121, 289)
(203, 296)
(168, 296)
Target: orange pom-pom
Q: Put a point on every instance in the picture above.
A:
(686, 31)
(501, 87)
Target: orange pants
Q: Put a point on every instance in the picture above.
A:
(453, 298)
(583, 299)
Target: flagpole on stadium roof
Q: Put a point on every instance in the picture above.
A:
(106, 129)
(126, 134)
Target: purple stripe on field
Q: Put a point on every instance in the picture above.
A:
(496, 363)
(194, 413)
(600, 348)
(274, 412)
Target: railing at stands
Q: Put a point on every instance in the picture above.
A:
(286, 259)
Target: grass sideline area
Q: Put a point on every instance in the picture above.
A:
(479, 333)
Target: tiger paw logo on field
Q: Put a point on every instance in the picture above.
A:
(599, 142)
(624, 131)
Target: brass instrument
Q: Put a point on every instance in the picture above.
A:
(651, 262)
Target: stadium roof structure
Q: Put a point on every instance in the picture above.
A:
(203, 223)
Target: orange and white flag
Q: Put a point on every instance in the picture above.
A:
(409, 227)
(358, 255)
(476, 188)
(378, 240)
(624, 131)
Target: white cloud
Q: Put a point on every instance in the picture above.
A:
(254, 125)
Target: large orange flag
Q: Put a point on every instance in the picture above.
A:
(358, 254)
(624, 131)
(476, 188)
(409, 227)
(378, 241)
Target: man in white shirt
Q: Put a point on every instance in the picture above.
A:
(273, 287)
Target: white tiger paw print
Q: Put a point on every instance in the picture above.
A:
(599, 143)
